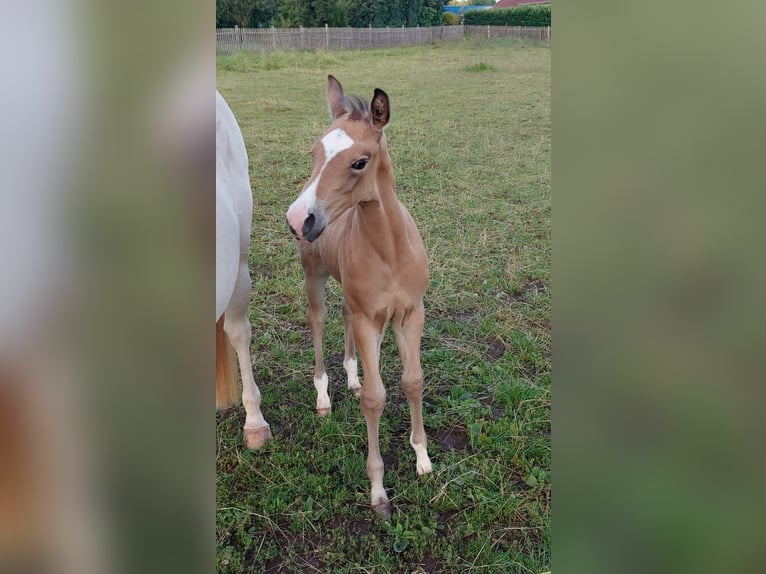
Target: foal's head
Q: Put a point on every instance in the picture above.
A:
(346, 159)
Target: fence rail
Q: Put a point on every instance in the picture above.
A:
(231, 40)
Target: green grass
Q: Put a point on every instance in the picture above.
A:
(480, 67)
(472, 161)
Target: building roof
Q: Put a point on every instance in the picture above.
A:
(514, 3)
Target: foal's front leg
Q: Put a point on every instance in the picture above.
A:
(373, 399)
(315, 279)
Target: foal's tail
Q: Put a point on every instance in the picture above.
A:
(225, 369)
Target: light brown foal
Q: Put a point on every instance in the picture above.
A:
(350, 224)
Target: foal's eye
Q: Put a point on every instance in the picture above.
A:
(359, 164)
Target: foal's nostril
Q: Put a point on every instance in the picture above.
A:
(308, 225)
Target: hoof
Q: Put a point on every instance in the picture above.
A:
(425, 468)
(383, 509)
(256, 438)
(324, 412)
(357, 390)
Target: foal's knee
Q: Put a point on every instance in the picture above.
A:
(373, 399)
(412, 384)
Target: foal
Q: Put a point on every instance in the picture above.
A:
(350, 224)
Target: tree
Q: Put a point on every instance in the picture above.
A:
(244, 13)
(380, 13)
(331, 12)
(431, 13)
(234, 12)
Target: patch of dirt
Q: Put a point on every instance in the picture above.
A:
(431, 564)
(530, 286)
(445, 519)
(264, 271)
(454, 438)
(396, 398)
(227, 413)
(520, 538)
(274, 565)
(306, 560)
(462, 317)
(390, 460)
(358, 527)
(495, 349)
(335, 360)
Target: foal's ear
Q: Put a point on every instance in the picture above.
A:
(335, 98)
(380, 109)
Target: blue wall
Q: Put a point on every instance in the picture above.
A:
(461, 9)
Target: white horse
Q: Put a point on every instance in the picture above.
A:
(233, 217)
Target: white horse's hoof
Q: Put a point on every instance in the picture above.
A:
(324, 411)
(256, 438)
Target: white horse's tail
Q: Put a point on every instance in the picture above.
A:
(226, 391)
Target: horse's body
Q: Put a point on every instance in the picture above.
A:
(233, 217)
(351, 225)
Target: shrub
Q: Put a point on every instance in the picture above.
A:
(536, 15)
(450, 19)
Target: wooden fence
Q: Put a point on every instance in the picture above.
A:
(231, 40)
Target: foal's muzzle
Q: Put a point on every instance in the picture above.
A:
(312, 227)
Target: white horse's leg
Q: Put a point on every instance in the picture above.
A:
(237, 328)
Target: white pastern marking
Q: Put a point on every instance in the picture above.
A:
(333, 143)
(423, 462)
(378, 495)
(353, 374)
(323, 399)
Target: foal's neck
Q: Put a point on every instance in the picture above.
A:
(382, 219)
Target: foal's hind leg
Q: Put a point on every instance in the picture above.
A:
(408, 340)
(237, 328)
(349, 357)
(315, 279)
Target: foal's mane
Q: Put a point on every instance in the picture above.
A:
(356, 107)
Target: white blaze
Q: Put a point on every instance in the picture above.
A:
(333, 142)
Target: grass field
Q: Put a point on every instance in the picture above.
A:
(470, 144)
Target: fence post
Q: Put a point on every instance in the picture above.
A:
(326, 36)
(273, 32)
(370, 34)
(303, 38)
(487, 32)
